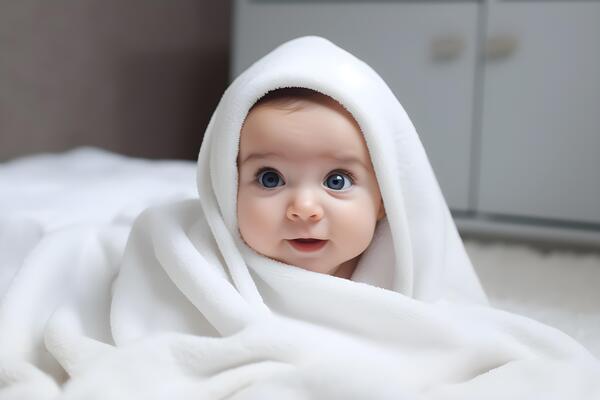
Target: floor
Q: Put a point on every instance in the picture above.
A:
(559, 287)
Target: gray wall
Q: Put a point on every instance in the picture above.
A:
(140, 77)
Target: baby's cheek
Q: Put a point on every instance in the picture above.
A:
(356, 222)
(256, 217)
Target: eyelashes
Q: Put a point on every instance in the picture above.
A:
(259, 174)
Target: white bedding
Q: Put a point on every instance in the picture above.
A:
(36, 198)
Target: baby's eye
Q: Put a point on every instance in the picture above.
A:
(269, 178)
(338, 181)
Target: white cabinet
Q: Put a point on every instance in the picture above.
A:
(504, 94)
(540, 135)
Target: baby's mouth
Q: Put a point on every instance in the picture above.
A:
(307, 244)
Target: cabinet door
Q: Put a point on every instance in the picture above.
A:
(541, 113)
(424, 51)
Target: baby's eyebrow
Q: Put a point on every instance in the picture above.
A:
(347, 159)
(341, 158)
(258, 156)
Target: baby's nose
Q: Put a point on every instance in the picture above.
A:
(305, 206)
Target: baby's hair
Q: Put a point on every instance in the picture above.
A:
(291, 98)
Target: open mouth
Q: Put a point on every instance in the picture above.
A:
(307, 244)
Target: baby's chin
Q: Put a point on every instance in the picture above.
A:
(314, 266)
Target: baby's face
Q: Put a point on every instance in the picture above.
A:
(307, 174)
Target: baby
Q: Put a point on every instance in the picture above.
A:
(307, 193)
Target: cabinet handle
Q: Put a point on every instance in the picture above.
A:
(499, 47)
(446, 48)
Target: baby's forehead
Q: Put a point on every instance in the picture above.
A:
(316, 131)
(304, 153)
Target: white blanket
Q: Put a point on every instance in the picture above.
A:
(195, 313)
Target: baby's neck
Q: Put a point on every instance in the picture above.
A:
(346, 269)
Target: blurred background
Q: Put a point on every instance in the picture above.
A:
(504, 94)
(138, 77)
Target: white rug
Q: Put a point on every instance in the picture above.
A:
(557, 287)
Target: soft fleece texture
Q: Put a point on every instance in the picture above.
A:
(195, 313)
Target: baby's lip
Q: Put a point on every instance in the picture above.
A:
(307, 246)
(306, 238)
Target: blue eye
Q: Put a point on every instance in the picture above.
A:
(338, 181)
(269, 179)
